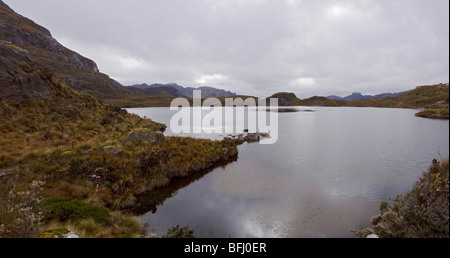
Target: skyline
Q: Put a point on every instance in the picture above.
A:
(257, 47)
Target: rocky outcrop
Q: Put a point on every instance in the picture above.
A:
(252, 137)
(20, 76)
(141, 135)
(23, 32)
(60, 233)
(249, 137)
(78, 72)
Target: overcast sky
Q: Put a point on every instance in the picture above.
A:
(257, 47)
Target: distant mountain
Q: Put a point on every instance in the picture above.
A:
(173, 89)
(156, 90)
(386, 95)
(356, 96)
(359, 96)
(334, 97)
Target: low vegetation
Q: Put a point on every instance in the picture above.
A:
(91, 159)
(421, 213)
(442, 113)
(432, 99)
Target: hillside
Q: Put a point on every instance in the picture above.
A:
(286, 99)
(20, 77)
(71, 160)
(421, 213)
(90, 154)
(433, 99)
(77, 71)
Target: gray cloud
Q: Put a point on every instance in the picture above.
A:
(257, 47)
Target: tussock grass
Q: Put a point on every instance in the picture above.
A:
(78, 146)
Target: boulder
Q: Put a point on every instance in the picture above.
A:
(114, 151)
(5, 172)
(139, 136)
(252, 137)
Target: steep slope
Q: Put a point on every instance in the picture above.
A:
(21, 77)
(86, 159)
(77, 71)
(89, 159)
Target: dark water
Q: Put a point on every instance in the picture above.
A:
(327, 174)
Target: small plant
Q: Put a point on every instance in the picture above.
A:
(126, 202)
(178, 232)
(20, 212)
(383, 207)
(65, 209)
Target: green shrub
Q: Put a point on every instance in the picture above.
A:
(65, 209)
(79, 168)
(126, 202)
(177, 232)
(384, 206)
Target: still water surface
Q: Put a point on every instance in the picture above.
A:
(327, 174)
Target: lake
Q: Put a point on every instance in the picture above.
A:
(327, 174)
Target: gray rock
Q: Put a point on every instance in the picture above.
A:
(252, 137)
(100, 176)
(372, 236)
(16, 80)
(114, 151)
(264, 135)
(5, 172)
(71, 234)
(139, 136)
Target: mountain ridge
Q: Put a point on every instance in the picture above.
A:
(181, 91)
(360, 96)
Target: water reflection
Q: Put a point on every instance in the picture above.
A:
(327, 174)
(149, 202)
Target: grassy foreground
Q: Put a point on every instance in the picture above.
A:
(72, 161)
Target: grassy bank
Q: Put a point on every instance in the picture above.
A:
(421, 213)
(441, 113)
(91, 161)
